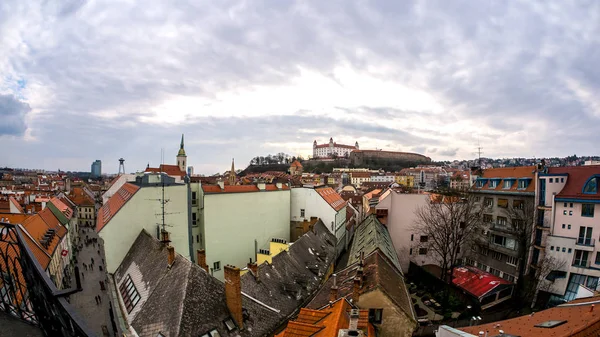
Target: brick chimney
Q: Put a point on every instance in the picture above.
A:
(333, 292)
(253, 267)
(171, 255)
(233, 294)
(201, 259)
(356, 290)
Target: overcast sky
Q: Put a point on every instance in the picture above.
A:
(103, 79)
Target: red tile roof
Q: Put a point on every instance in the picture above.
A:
(475, 281)
(13, 218)
(326, 322)
(38, 225)
(80, 198)
(62, 207)
(576, 179)
(509, 172)
(332, 197)
(114, 204)
(241, 188)
(581, 319)
(171, 170)
(296, 163)
(16, 204)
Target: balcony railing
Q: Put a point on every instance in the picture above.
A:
(588, 242)
(29, 294)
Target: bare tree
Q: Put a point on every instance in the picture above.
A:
(538, 281)
(521, 218)
(449, 222)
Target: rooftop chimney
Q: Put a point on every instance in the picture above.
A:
(356, 290)
(253, 267)
(233, 294)
(171, 252)
(164, 237)
(354, 315)
(221, 184)
(201, 259)
(592, 308)
(333, 292)
(279, 185)
(261, 185)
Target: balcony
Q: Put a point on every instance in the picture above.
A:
(586, 244)
(502, 228)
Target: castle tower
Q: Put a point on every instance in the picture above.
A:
(315, 144)
(181, 157)
(356, 145)
(331, 142)
(231, 178)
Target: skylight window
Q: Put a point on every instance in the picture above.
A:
(130, 295)
(550, 324)
(229, 324)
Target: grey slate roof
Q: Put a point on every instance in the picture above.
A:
(183, 300)
(379, 273)
(370, 235)
(293, 277)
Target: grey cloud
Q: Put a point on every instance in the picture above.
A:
(448, 152)
(503, 66)
(12, 116)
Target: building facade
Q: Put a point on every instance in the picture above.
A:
(232, 223)
(332, 149)
(507, 198)
(323, 203)
(567, 229)
(96, 168)
(141, 205)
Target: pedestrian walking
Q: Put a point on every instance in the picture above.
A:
(92, 260)
(96, 298)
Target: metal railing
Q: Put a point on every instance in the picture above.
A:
(27, 293)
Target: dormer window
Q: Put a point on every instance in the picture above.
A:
(480, 183)
(507, 184)
(591, 186)
(523, 183)
(493, 183)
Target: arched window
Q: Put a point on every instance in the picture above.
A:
(591, 186)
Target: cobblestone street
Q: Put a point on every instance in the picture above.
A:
(96, 314)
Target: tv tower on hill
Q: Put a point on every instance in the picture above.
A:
(121, 166)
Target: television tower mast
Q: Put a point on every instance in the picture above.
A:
(121, 166)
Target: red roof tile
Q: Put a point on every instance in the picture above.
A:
(171, 170)
(80, 198)
(509, 172)
(296, 163)
(475, 281)
(16, 204)
(576, 179)
(241, 188)
(62, 207)
(332, 197)
(114, 204)
(579, 320)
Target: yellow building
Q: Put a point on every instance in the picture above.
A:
(406, 181)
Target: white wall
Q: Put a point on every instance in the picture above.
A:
(123, 178)
(313, 204)
(143, 211)
(401, 219)
(232, 221)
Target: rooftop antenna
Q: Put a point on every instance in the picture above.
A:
(121, 166)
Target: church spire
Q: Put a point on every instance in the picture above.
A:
(232, 173)
(181, 150)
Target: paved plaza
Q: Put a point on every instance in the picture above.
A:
(96, 314)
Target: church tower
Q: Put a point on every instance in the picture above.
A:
(232, 174)
(181, 157)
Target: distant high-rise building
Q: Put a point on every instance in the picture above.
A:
(97, 168)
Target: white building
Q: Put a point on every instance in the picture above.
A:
(568, 227)
(141, 206)
(397, 211)
(232, 222)
(324, 203)
(332, 149)
(116, 184)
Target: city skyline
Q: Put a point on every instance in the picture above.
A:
(89, 81)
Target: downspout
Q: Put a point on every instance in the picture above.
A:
(189, 210)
